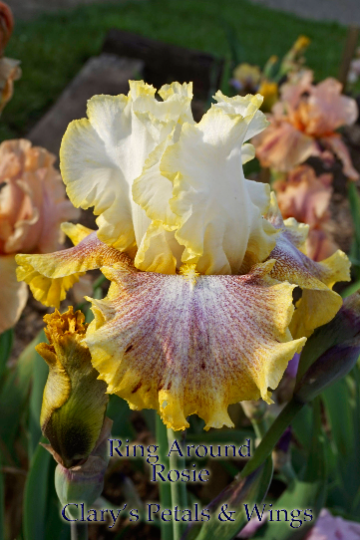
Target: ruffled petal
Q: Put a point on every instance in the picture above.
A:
(153, 191)
(244, 106)
(50, 276)
(215, 212)
(13, 294)
(318, 304)
(340, 149)
(327, 109)
(159, 251)
(282, 147)
(192, 344)
(32, 199)
(101, 156)
(247, 153)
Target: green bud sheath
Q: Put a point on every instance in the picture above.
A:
(331, 352)
(74, 401)
(84, 483)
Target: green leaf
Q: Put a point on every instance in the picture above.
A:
(351, 289)
(14, 396)
(340, 415)
(307, 492)
(302, 426)
(251, 490)
(40, 374)
(2, 503)
(6, 344)
(342, 409)
(119, 412)
(354, 201)
(225, 78)
(55, 527)
(237, 50)
(35, 496)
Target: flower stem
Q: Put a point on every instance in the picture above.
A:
(164, 487)
(100, 280)
(272, 436)
(256, 413)
(178, 489)
(79, 531)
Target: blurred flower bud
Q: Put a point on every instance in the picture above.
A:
(9, 68)
(9, 72)
(6, 25)
(294, 59)
(74, 401)
(270, 91)
(271, 67)
(84, 483)
(331, 352)
(301, 44)
(246, 78)
(254, 410)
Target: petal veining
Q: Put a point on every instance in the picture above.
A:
(192, 345)
(318, 304)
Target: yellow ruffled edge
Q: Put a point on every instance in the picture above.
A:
(124, 374)
(36, 270)
(319, 303)
(318, 307)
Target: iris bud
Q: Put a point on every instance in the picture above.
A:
(74, 401)
(84, 483)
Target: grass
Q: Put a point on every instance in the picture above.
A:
(53, 47)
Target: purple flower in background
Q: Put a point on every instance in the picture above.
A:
(293, 365)
(329, 527)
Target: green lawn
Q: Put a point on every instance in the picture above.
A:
(54, 47)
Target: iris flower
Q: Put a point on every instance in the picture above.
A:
(32, 206)
(198, 312)
(304, 123)
(306, 197)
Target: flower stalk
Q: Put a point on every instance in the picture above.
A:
(178, 489)
(164, 487)
(256, 412)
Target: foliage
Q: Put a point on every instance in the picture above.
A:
(53, 47)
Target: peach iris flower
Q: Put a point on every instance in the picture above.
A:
(199, 313)
(32, 206)
(306, 197)
(304, 123)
